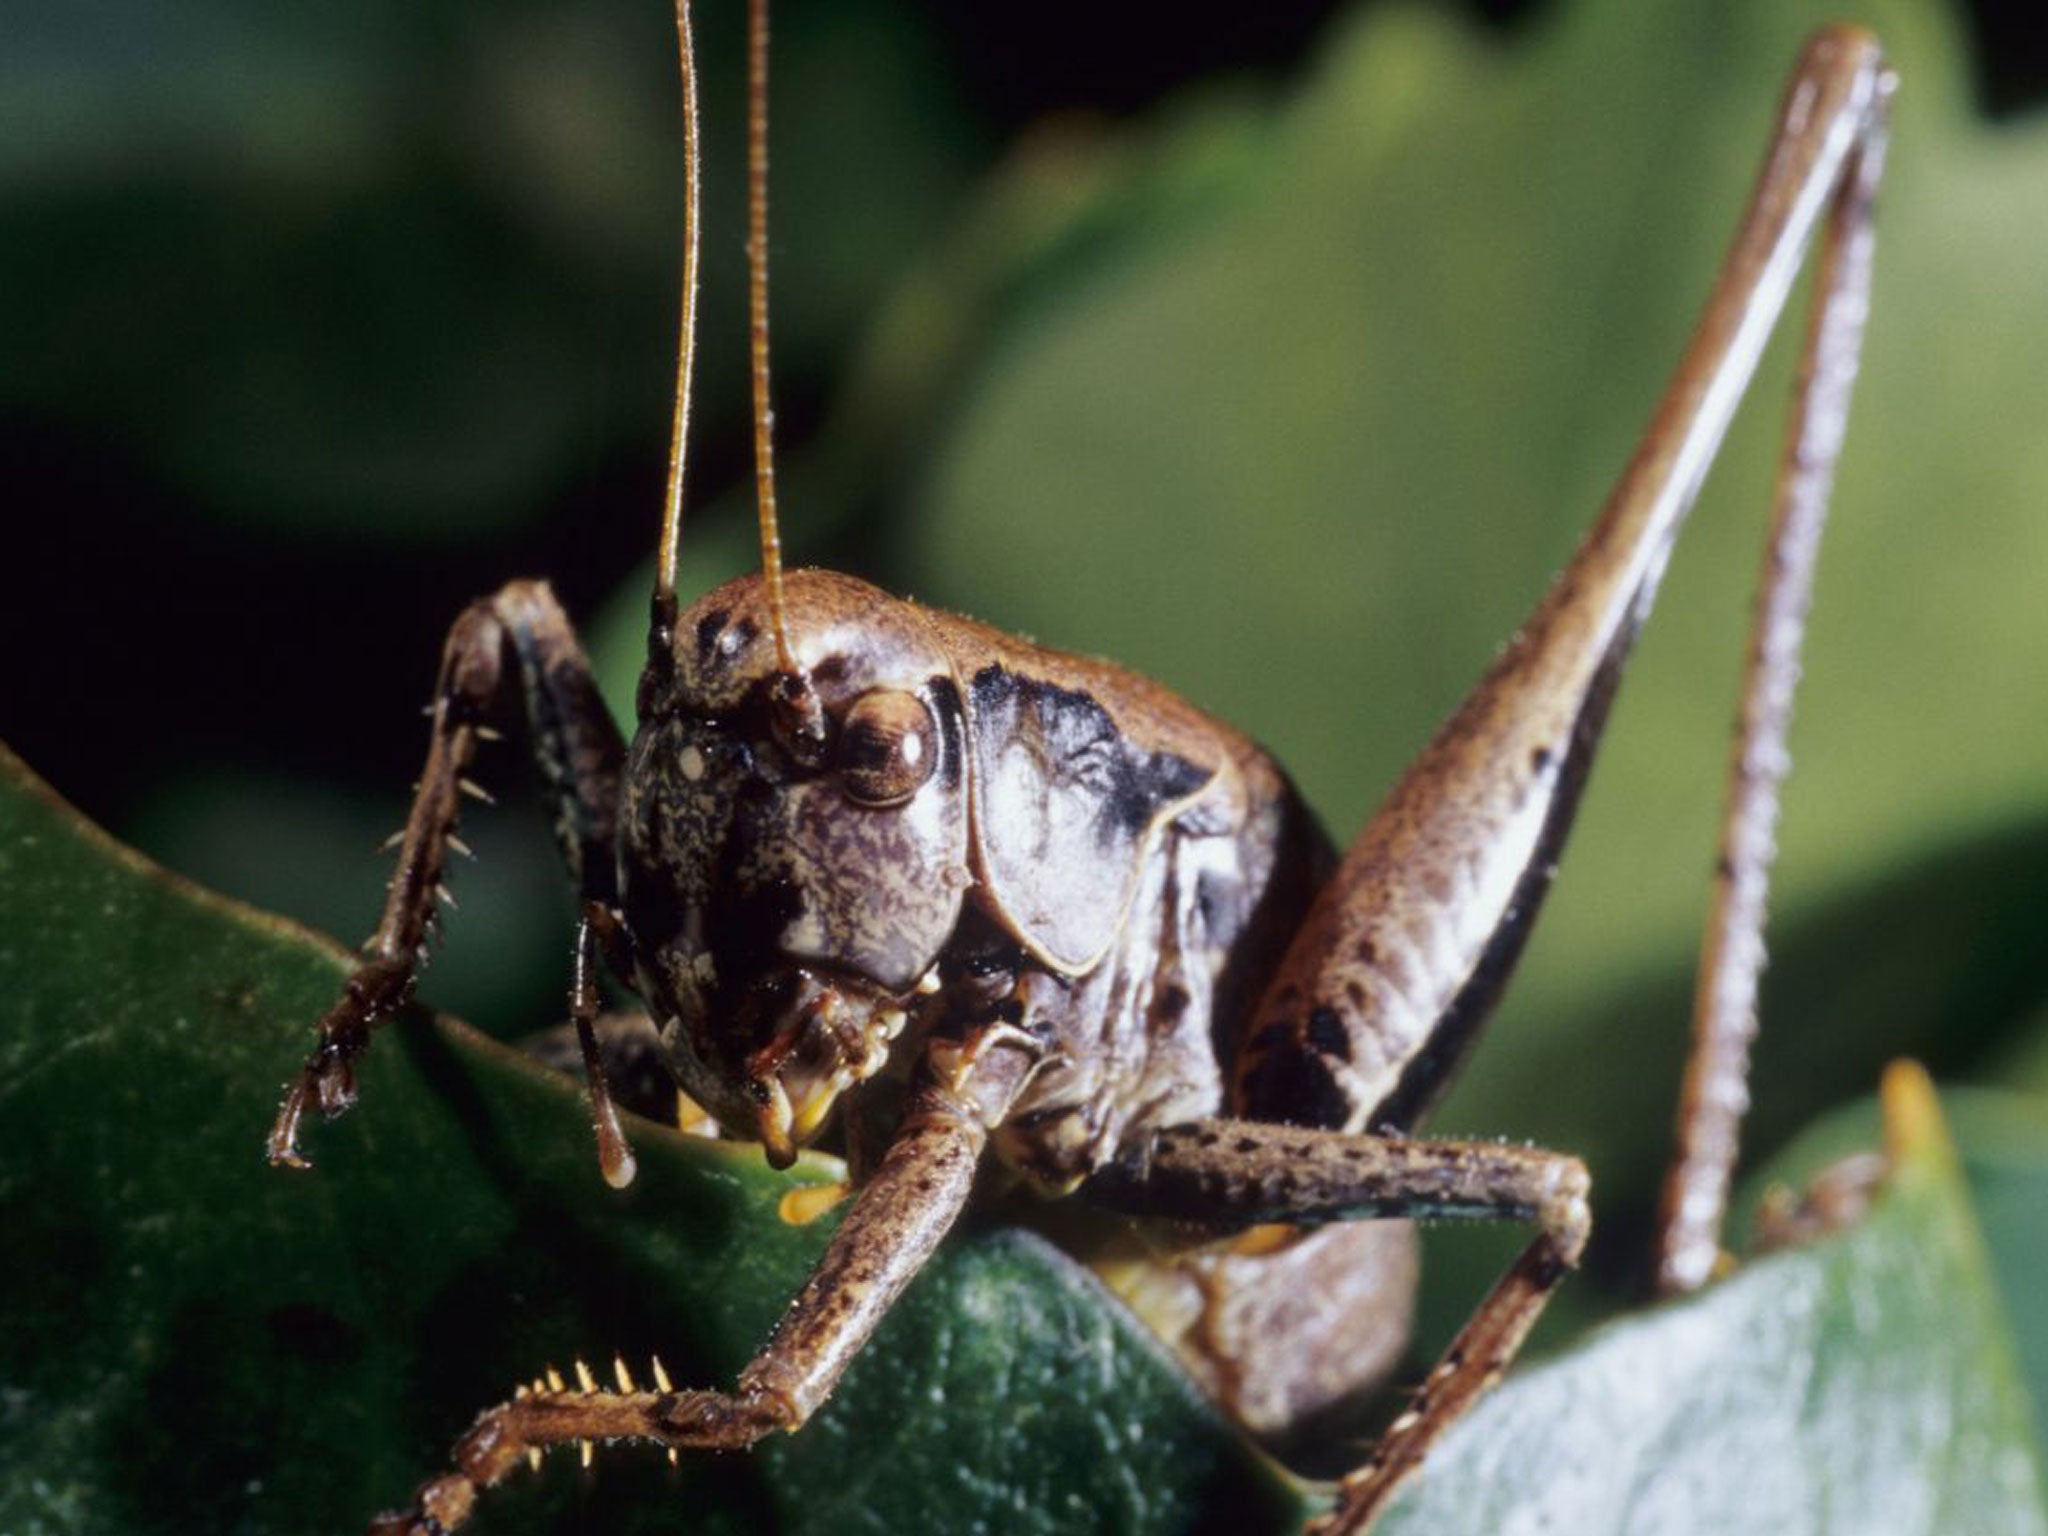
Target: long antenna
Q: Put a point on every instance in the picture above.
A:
(757, 311)
(686, 346)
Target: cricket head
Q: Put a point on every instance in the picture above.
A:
(794, 850)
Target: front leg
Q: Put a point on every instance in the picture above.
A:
(1236, 1173)
(893, 1226)
(580, 756)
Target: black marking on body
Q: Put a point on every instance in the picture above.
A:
(653, 908)
(720, 639)
(708, 629)
(755, 903)
(575, 746)
(993, 963)
(1295, 1088)
(982, 948)
(1326, 1032)
(1275, 1035)
(1082, 743)
(648, 847)
(742, 930)
(944, 697)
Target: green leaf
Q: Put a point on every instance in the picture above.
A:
(191, 1340)
(2004, 1139)
(1864, 1383)
(2002, 1144)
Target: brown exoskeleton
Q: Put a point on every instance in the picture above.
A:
(863, 850)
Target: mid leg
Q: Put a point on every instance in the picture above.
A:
(1231, 1173)
(580, 755)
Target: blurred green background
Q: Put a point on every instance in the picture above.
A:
(1280, 357)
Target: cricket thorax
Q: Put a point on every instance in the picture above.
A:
(1142, 1039)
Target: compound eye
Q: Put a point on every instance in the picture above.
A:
(888, 747)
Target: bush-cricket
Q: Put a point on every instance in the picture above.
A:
(867, 856)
